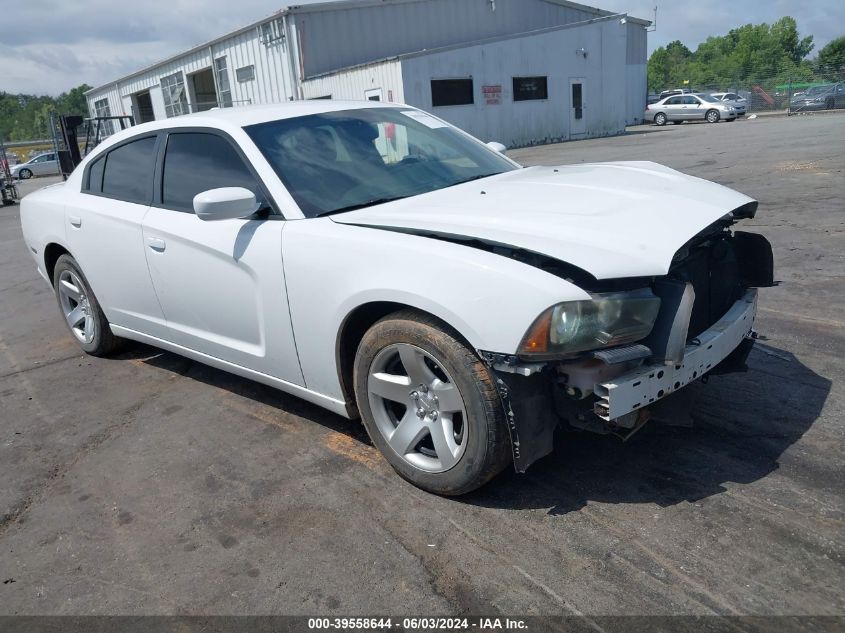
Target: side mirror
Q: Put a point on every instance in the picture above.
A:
(497, 147)
(226, 203)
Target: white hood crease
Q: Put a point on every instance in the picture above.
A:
(625, 219)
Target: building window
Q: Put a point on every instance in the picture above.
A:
(173, 91)
(101, 108)
(272, 32)
(449, 92)
(224, 96)
(530, 88)
(245, 73)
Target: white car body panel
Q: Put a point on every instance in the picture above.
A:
(104, 236)
(610, 219)
(221, 286)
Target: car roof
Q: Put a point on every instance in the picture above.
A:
(252, 114)
(241, 116)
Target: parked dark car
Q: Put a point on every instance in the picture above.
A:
(825, 97)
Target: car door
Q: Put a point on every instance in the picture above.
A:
(839, 96)
(38, 164)
(693, 108)
(48, 165)
(672, 107)
(103, 223)
(220, 283)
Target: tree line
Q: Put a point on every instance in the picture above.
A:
(753, 54)
(27, 117)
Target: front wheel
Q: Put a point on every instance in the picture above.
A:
(25, 174)
(660, 119)
(712, 116)
(81, 310)
(430, 405)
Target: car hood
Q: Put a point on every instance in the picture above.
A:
(612, 220)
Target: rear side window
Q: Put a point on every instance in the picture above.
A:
(195, 162)
(95, 175)
(129, 171)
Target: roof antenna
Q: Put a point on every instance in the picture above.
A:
(492, 5)
(653, 26)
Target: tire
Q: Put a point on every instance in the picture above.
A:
(660, 119)
(25, 174)
(455, 438)
(81, 310)
(712, 116)
(829, 104)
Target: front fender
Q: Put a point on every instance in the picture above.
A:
(331, 269)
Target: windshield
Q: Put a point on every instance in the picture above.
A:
(339, 161)
(817, 90)
(708, 98)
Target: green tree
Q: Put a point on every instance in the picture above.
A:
(73, 101)
(831, 57)
(748, 55)
(27, 117)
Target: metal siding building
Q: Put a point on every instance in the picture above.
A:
(391, 50)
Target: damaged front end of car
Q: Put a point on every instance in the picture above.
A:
(600, 365)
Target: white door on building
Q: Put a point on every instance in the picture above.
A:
(577, 110)
(373, 95)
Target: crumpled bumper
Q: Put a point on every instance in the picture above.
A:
(648, 384)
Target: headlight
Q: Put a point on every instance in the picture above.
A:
(578, 326)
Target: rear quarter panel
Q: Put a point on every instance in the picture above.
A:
(43, 222)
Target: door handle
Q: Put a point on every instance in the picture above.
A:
(156, 243)
(75, 221)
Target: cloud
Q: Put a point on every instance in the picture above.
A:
(47, 47)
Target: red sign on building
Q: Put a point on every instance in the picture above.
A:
(492, 94)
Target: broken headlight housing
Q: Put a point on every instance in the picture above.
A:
(606, 320)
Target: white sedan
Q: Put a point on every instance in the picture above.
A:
(374, 260)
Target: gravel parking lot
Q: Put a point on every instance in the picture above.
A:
(150, 484)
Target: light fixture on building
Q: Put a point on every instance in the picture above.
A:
(582, 52)
(624, 20)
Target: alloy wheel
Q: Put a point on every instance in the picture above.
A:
(76, 307)
(417, 407)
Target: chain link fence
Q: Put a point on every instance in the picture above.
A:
(812, 87)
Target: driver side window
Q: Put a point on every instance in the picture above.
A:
(195, 162)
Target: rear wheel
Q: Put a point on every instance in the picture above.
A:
(430, 404)
(712, 116)
(660, 119)
(81, 310)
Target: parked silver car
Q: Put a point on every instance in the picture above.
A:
(690, 107)
(739, 103)
(42, 165)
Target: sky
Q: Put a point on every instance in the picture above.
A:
(50, 46)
